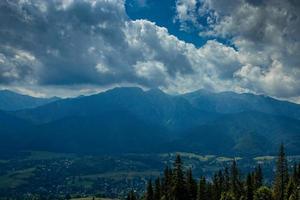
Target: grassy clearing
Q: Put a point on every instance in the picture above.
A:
(44, 155)
(123, 175)
(16, 178)
(264, 158)
(202, 158)
(3, 161)
(91, 198)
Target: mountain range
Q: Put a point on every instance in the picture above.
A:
(131, 120)
(10, 101)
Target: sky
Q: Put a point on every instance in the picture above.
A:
(73, 47)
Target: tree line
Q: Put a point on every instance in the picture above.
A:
(226, 184)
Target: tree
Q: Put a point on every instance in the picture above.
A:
(263, 193)
(225, 185)
(166, 189)
(217, 185)
(235, 184)
(257, 178)
(202, 191)
(209, 190)
(227, 196)
(226, 180)
(282, 176)
(157, 189)
(296, 174)
(295, 195)
(131, 196)
(290, 188)
(179, 190)
(149, 194)
(249, 188)
(191, 186)
(68, 196)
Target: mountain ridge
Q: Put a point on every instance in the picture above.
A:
(226, 123)
(12, 101)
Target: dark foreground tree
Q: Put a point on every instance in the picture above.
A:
(179, 189)
(202, 190)
(249, 188)
(235, 183)
(257, 178)
(191, 186)
(282, 176)
(226, 184)
(150, 194)
(157, 189)
(263, 193)
(227, 196)
(131, 196)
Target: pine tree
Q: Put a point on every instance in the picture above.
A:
(166, 189)
(281, 177)
(258, 178)
(235, 184)
(209, 190)
(290, 188)
(202, 190)
(226, 180)
(179, 190)
(298, 175)
(227, 196)
(68, 196)
(295, 195)
(157, 189)
(221, 180)
(131, 196)
(149, 194)
(176, 185)
(218, 185)
(191, 186)
(249, 188)
(263, 193)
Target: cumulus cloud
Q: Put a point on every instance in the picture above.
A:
(265, 34)
(89, 42)
(60, 45)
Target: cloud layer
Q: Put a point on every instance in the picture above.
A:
(94, 44)
(265, 34)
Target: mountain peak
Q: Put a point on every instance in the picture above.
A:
(156, 91)
(9, 92)
(199, 92)
(125, 89)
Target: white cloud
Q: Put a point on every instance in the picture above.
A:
(186, 12)
(93, 44)
(102, 68)
(266, 34)
(151, 70)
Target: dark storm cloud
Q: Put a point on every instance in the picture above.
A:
(61, 37)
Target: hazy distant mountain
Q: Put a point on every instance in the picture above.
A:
(132, 120)
(10, 101)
